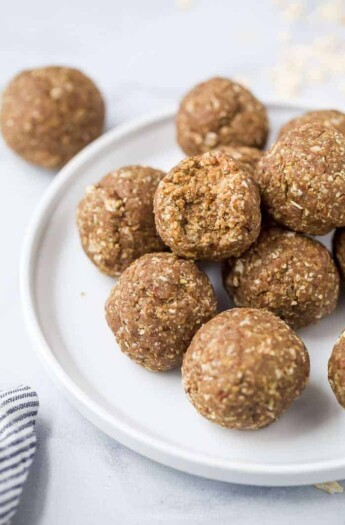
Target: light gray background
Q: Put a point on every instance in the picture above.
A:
(143, 54)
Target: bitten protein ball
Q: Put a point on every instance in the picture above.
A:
(287, 273)
(50, 113)
(244, 368)
(156, 307)
(302, 179)
(339, 250)
(247, 157)
(208, 207)
(336, 370)
(116, 221)
(220, 112)
(329, 118)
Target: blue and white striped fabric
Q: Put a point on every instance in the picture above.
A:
(18, 411)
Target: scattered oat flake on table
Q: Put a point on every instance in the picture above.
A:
(331, 487)
(184, 4)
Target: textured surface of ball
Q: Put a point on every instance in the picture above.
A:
(291, 275)
(158, 304)
(116, 221)
(244, 368)
(208, 207)
(336, 370)
(326, 117)
(220, 112)
(48, 114)
(302, 179)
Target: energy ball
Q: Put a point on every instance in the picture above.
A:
(50, 113)
(247, 157)
(336, 370)
(115, 218)
(329, 118)
(208, 207)
(156, 307)
(244, 368)
(287, 273)
(339, 250)
(220, 112)
(302, 179)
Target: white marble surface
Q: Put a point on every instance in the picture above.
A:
(143, 54)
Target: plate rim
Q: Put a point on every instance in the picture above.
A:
(125, 433)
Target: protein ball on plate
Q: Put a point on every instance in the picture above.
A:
(339, 250)
(208, 207)
(326, 117)
(302, 179)
(248, 157)
(115, 218)
(336, 370)
(244, 368)
(156, 307)
(48, 114)
(287, 273)
(220, 112)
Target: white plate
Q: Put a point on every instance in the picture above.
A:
(63, 296)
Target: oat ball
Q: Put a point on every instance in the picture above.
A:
(220, 112)
(302, 179)
(156, 307)
(115, 218)
(329, 118)
(291, 275)
(244, 368)
(339, 250)
(247, 157)
(48, 114)
(336, 370)
(208, 207)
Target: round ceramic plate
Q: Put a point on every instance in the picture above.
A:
(64, 294)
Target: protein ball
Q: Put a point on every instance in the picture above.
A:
(287, 273)
(116, 221)
(220, 112)
(329, 118)
(339, 250)
(244, 368)
(208, 207)
(302, 179)
(247, 157)
(50, 113)
(156, 307)
(336, 370)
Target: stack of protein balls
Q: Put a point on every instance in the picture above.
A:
(243, 367)
(228, 201)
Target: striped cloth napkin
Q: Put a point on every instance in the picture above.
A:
(18, 411)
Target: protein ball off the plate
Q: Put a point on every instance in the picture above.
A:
(220, 112)
(247, 157)
(116, 221)
(244, 368)
(336, 370)
(302, 179)
(156, 307)
(339, 250)
(326, 117)
(48, 114)
(208, 207)
(287, 273)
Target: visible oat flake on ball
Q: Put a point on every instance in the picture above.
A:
(244, 369)
(329, 118)
(208, 207)
(156, 307)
